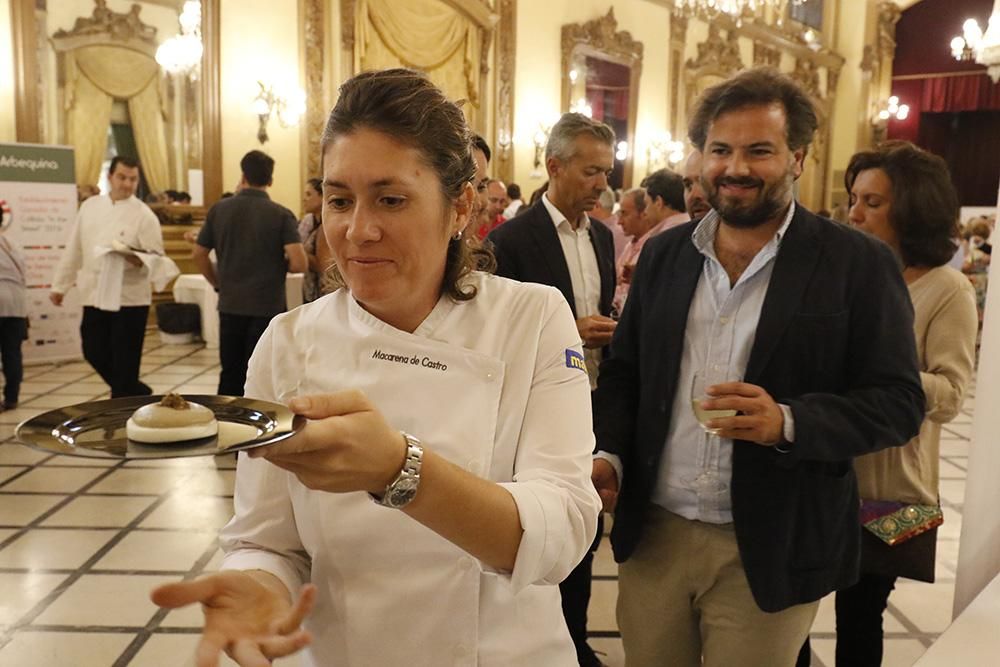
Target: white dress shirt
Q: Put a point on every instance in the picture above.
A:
(584, 274)
(99, 221)
(493, 385)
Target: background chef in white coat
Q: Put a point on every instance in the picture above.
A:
(440, 545)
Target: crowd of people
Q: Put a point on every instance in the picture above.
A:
(745, 385)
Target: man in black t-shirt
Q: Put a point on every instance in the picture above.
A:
(256, 242)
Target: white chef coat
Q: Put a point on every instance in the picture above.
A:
(495, 385)
(98, 222)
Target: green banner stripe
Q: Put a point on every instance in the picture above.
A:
(34, 163)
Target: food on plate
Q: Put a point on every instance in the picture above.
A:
(173, 419)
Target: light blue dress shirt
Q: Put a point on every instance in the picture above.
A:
(696, 467)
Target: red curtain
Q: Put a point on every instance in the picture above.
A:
(960, 93)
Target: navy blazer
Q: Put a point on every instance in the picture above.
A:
(527, 249)
(834, 342)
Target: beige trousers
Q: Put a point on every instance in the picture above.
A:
(683, 597)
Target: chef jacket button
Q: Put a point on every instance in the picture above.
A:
(472, 465)
(489, 376)
(467, 563)
(462, 650)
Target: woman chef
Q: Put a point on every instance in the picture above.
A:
(442, 484)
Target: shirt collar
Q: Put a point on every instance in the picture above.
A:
(557, 216)
(252, 192)
(703, 235)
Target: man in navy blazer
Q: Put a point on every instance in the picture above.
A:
(729, 531)
(555, 243)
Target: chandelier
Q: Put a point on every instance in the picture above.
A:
(181, 54)
(738, 9)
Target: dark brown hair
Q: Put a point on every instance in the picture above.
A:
(925, 207)
(405, 105)
(128, 161)
(759, 86)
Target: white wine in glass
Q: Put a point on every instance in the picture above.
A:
(698, 396)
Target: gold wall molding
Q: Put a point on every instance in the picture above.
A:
(27, 98)
(600, 38)
(314, 45)
(506, 55)
(211, 96)
(716, 54)
(678, 44)
(103, 25)
(764, 55)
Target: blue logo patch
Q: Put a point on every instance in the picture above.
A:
(575, 360)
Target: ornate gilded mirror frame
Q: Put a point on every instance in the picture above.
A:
(601, 39)
(28, 96)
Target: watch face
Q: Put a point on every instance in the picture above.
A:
(402, 492)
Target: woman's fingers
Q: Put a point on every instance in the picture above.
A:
(320, 406)
(291, 621)
(209, 649)
(279, 647)
(183, 593)
(247, 653)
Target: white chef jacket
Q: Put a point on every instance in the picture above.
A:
(98, 222)
(496, 385)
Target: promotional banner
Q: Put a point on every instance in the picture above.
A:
(38, 200)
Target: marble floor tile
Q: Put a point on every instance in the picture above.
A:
(9, 472)
(108, 600)
(17, 454)
(53, 480)
(157, 550)
(927, 606)
(79, 649)
(49, 549)
(20, 510)
(191, 512)
(21, 592)
(58, 400)
(99, 511)
(140, 481)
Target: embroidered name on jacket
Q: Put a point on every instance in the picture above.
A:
(414, 360)
(575, 360)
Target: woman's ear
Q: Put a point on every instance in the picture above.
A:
(463, 208)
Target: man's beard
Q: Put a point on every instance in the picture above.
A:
(771, 200)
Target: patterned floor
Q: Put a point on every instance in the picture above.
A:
(82, 542)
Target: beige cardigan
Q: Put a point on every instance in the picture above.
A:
(945, 324)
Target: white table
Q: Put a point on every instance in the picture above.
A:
(193, 288)
(972, 639)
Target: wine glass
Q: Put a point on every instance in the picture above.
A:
(701, 381)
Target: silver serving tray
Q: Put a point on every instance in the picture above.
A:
(96, 429)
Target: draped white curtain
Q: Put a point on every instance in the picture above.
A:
(96, 76)
(428, 35)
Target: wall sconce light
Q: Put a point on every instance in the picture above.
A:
(891, 110)
(503, 142)
(621, 151)
(540, 139)
(581, 106)
(289, 107)
(663, 149)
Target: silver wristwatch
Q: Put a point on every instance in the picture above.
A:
(403, 489)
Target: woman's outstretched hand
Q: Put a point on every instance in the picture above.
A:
(249, 615)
